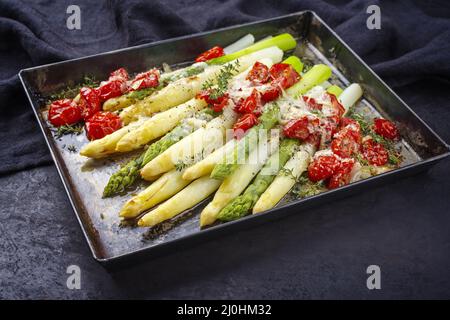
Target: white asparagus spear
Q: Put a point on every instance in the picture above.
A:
(162, 189)
(158, 125)
(107, 145)
(194, 193)
(133, 97)
(174, 94)
(195, 146)
(242, 43)
(205, 166)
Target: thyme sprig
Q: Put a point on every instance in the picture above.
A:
(68, 129)
(306, 188)
(287, 172)
(71, 92)
(218, 87)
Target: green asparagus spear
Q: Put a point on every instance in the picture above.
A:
(128, 174)
(243, 204)
(268, 120)
(283, 41)
(316, 75)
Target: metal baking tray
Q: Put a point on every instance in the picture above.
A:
(84, 179)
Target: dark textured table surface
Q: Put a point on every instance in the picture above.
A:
(319, 253)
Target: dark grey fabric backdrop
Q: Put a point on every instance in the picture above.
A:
(411, 51)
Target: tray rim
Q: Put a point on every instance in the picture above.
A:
(260, 216)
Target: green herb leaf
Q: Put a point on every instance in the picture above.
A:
(71, 92)
(68, 129)
(306, 188)
(219, 86)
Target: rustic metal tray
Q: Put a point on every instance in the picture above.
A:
(84, 179)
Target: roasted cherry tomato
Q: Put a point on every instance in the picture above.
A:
(115, 86)
(220, 103)
(243, 124)
(64, 112)
(339, 109)
(385, 128)
(259, 73)
(212, 53)
(149, 79)
(311, 103)
(102, 124)
(89, 102)
(216, 105)
(284, 74)
(323, 167)
(120, 73)
(346, 142)
(111, 89)
(341, 177)
(204, 95)
(348, 121)
(329, 128)
(375, 153)
(252, 104)
(271, 93)
(301, 128)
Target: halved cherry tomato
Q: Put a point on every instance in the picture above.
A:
(259, 73)
(102, 124)
(284, 74)
(385, 128)
(252, 104)
(311, 103)
(63, 112)
(120, 73)
(149, 79)
(339, 109)
(89, 102)
(243, 124)
(322, 167)
(212, 53)
(374, 152)
(301, 128)
(346, 142)
(216, 105)
(342, 175)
